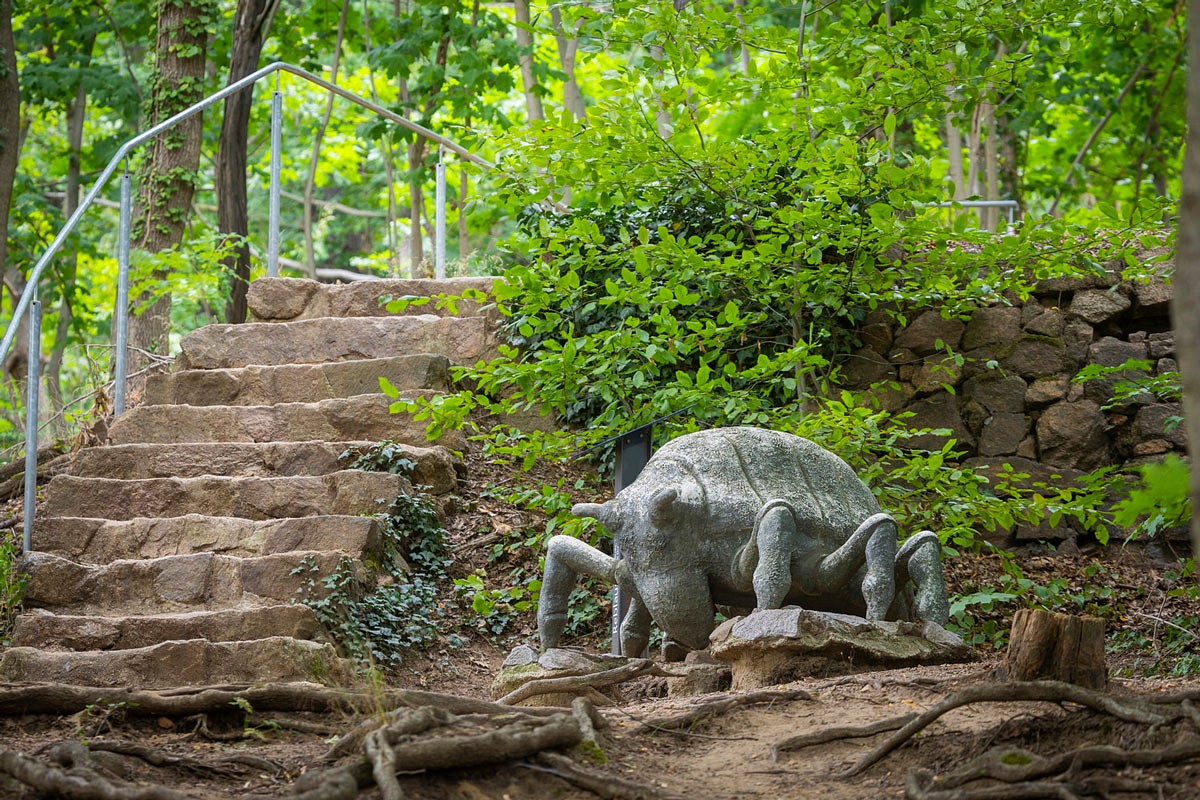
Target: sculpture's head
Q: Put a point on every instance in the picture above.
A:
(656, 542)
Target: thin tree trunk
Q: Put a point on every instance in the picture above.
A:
(567, 48)
(166, 186)
(954, 157)
(75, 117)
(529, 81)
(10, 136)
(310, 262)
(1187, 267)
(250, 24)
(416, 208)
(389, 156)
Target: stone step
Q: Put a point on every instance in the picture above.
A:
(197, 582)
(349, 492)
(99, 541)
(359, 418)
(296, 383)
(282, 299)
(40, 628)
(196, 662)
(464, 340)
(433, 467)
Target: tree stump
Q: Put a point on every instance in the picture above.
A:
(1044, 645)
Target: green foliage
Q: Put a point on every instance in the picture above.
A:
(1159, 501)
(375, 621)
(12, 585)
(381, 456)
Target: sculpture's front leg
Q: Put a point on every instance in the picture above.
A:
(921, 560)
(566, 559)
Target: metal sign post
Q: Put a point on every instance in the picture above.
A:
(633, 451)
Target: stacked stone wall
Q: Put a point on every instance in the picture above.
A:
(1002, 380)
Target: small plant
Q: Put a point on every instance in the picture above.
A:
(377, 621)
(382, 456)
(12, 586)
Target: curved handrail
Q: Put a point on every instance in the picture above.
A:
(124, 150)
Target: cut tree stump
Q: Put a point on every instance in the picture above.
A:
(1044, 645)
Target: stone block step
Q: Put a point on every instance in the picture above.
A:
(349, 492)
(434, 467)
(99, 541)
(196, 662)
(464, 340)
(198, 582)
(282, 299)
(297, 383)
(359, 418)
(40, 628)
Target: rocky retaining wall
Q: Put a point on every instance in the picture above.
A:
(1009, 368)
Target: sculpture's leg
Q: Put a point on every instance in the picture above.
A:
(635, 629)
(921, 560)
(873, 544)
(566, 558)
(775, 538)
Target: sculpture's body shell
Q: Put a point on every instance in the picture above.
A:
(724, 477)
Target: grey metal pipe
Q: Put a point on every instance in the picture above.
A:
(33, 381)
(1011, 205)
(121, 310)
(439, 245)
(276, 161)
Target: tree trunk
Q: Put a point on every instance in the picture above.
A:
(310, 261)
(1187, 266)
(76, 112)
(567, 47)
(250, 23)
(10, 133)
(529, 81)
(1044, 645)
(167, 183)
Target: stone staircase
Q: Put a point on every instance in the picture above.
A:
(167, 557)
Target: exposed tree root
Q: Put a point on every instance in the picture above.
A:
(835, 734)
(582, 683)
(55, 698)
(1127, 708)
(712, 708)
(609, 787)
(160, 758)
(77, 781)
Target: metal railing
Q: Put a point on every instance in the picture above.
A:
(31, 306)
(1010, 205)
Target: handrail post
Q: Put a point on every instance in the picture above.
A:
(33, 377)
(276, 162)
(439, 247)
(121, 312)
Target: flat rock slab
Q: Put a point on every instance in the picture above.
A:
(69, 632)
(362, 418)
(99, 541)
(349, 492)
(434, 468)
(199, 582)
(525, 664)
(281, 299)
(464, 340)
(197, 662)
(775, 646)
(297, 383)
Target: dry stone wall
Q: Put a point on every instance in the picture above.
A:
(1002, 380)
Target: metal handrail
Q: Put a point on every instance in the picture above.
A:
(28, 301)
(123, 152)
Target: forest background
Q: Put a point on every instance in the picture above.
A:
(694, 205)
